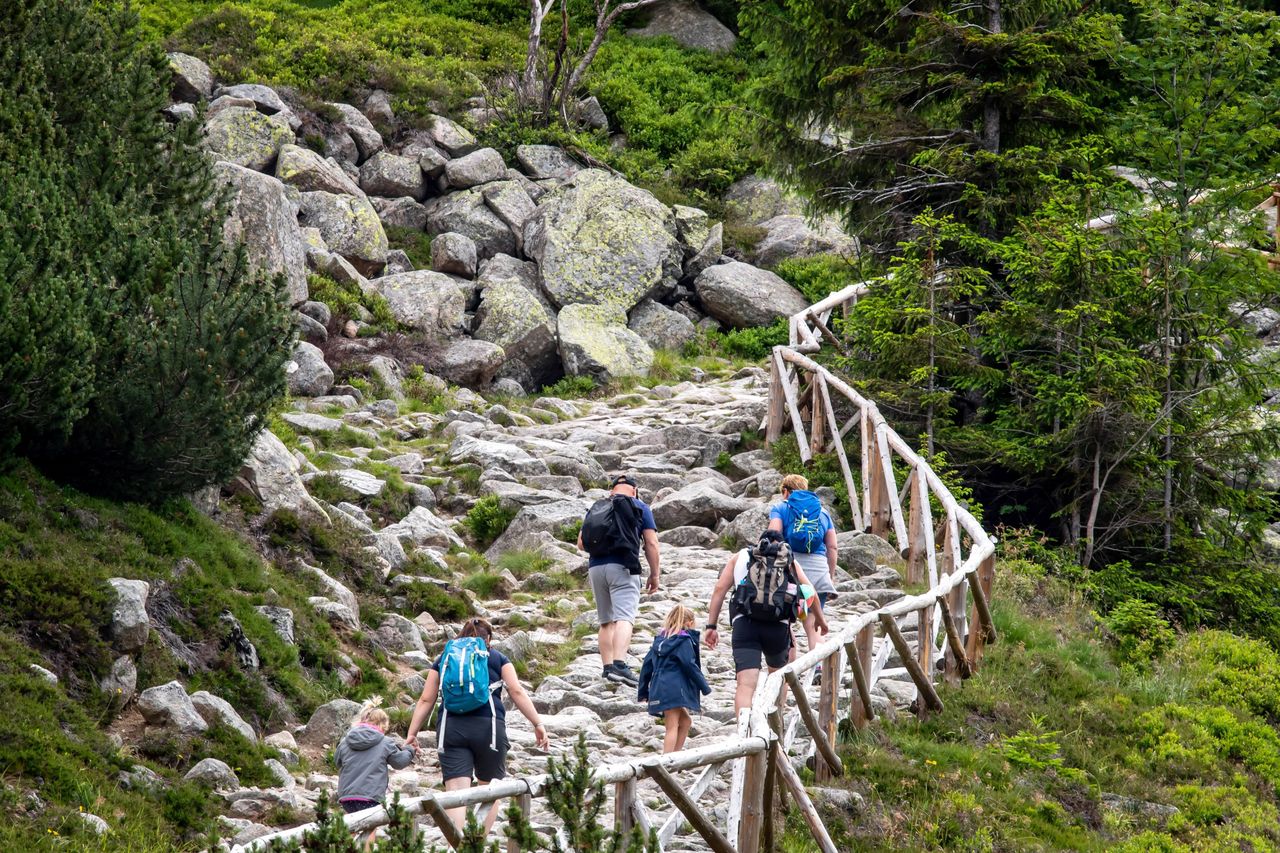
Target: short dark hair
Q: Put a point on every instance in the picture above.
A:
(625, 480)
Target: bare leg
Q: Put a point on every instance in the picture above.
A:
(458, 815)
(671, 741)
(621, 640)
(746, 689)
(682, 734)
(493, 812)
(810, 634)
(368, 840)
(607, 631)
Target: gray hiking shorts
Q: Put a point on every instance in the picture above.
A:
(617, 592)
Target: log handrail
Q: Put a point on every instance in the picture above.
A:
(956, 610)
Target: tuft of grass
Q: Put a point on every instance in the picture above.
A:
(487, 519)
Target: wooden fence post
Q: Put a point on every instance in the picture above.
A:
(525, 802)
(624, 797)
(828, 707)
(752, 821)
(982, 629)
(924, 646)
(955, 661)
(860, 708)
(825, 751)
(777, 402)
(817, 416)
(915, 530)
(928, 695)
(879, 515)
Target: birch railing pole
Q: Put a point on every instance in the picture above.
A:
(777, 412)
(751, 824)
(956, 662)
(699, 821)
(811, 723)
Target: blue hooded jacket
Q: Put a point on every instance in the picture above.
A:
(671, 676)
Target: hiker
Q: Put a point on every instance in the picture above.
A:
(613, 533)
(671, 677)
(809, 530)
(362, 757)
(767, 587)
(472, 734)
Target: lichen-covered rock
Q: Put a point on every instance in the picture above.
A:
(512, 203)
(377, 107)
(214, 773)
(693, 226)
(754, 199)
(595, 342)
(540, 162)
(246, 137)
(455, 139)
(309, 172)
(192, 79)
(362, 132)
(661, 327)
(467, 362)
(454, 253)
(591, 114)
(393, 176)
(513, 318)
(426, 300)
(271, 475)
(466, 213)
(265, 100)
(478, 167)
(130, 624)
(690, 25)
(307, 372)
(742, 296)
(169, 706)
(599, 240)
(121, 682)
(698, 504)
(265, 220)
(350, 227)
(709, 254)
(792, 236)
(401, 212)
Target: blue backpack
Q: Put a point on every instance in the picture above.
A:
(805, 526)
(464, 675)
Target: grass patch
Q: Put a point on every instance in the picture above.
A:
(487, 519)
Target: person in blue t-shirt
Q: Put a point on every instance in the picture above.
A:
(615, 583)
(820, 562)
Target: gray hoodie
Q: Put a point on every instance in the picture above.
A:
(362, 757)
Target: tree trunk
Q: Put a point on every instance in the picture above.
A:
(1094, 504)
(991, 104)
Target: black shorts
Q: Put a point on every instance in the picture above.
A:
(752, 640)
(353, 806)
(467, 749)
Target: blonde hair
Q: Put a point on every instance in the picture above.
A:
(370, 714)
(677, 620)
(795, 483)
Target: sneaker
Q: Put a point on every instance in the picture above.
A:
(622, 673)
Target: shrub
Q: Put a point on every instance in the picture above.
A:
(754, 343)
(487, 519)
(570, 387)
(1234, 671)
(820, 276)
(347, 302)
(1139, 634)
(423, 597)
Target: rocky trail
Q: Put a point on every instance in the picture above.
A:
(683, 445)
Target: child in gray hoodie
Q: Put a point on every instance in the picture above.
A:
(362, 757)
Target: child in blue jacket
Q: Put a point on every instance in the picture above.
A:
(671, 677)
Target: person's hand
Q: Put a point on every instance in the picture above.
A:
(823, 628)
(540, 736)
(711, 638)
(652, 585)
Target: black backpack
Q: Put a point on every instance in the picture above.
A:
(769, 591)
(612, 529)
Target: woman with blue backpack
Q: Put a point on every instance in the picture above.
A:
(471, 736)
(807, 526)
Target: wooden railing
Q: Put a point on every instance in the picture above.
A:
(952, 622)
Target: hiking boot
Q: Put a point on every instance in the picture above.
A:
(622, 674)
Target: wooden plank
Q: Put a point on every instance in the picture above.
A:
(791, 780)
(776, 417)
(924, 645)
(956, 661)
(751, 827)
(886, 470)
(855, 506)
(797, 423)
(828, 707)
(878, 512)
(815, 728)
(817, 416)
(770, 783)
(624, 798)
(827, 333)
(861, 711)
(442, 821)
(928, 695)
(699, 787)
(704, 827)
(525, 802)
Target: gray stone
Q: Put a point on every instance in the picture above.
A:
(428, 301)
(591, 114)
(792, 236)
(709, 254)
(494, 454)
(283, 777)
(595, 342)
(423, 527)
(513, 318)
(388, 547)
(169, 706)
(317, 311)
(391, 175)
(526, 530)
(387, 375)
(698, 504)
(397, 635)
(271, 475)
(281, 740)
(93, 823)
(265, 220)
(861, 554)
(431, 162)
(454, 253)
(478, 167)
(377, 107)
(397, 260)
(742, 296)
(192, 79)
(337, 614)
(179, 112)
(246, 137)
(512, 204)
(689, 537)
(350, 227)
(362, 132)
(121, 682)
(690, 25)
(130, 624)
(141, 778)
(693, 227)
(328, 723)
(307, 372)
(600, 240)
(754, 199)
(540, 162)
(215, 710)
(506, 387)
(281, 619)
(660, 327)
(452, 137)
(354, 483)
(43, 674)
(745, 529)
(309, 329)
(401, 212)
(264, 99)
(309, 172)
(466, 213)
